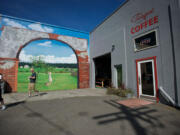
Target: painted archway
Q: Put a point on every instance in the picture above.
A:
(12, 41)
(53, 56)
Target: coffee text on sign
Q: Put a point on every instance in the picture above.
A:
(145, 24)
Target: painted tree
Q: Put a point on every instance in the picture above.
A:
(39, 65)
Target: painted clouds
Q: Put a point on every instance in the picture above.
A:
(48, 58)
(39, 27)
(13, 23)
(32, 26)
(45, 44)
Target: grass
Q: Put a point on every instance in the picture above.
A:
(61, 81)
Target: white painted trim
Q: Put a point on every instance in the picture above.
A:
(139, 76)
(157, 41)
(116, 77)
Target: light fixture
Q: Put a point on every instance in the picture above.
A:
(113, 48)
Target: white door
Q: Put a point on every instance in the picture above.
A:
(146, 78)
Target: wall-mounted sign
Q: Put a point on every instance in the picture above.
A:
(145, 24)
(141, 16)
(146, 41)
(142, 21)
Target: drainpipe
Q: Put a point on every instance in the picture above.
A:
(125, 54)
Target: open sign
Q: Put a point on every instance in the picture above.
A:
(146, 41)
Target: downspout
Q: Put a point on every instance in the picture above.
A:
(173, 55)
(125, 53)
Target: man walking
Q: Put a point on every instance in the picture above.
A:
(32, 82)
(3, 107)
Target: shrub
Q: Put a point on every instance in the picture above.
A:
(111, 91)
(119, 92)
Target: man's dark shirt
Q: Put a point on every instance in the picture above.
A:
(33, 80)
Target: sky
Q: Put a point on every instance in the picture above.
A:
(80, 15)
(83, 15)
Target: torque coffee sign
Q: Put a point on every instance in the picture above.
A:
(142, 17)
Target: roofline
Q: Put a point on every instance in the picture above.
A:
(110, 15)
(30, 21)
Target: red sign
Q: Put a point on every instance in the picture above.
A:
(141, 16)
(145, 24)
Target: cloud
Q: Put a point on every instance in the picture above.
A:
(13, 23)
(53, 59)
(48, 58)
(46, 44)
(39, 27)
(33, 26)
(24, 57)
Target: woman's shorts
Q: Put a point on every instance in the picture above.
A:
(31, 86)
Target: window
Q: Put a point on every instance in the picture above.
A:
(146, 40)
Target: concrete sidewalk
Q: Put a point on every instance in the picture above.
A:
(18, 97)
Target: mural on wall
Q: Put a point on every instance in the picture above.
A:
(55, 64)
(52, 51)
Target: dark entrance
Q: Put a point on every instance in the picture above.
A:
(103, 71)
(147, 78)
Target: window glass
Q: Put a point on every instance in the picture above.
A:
(145, 41)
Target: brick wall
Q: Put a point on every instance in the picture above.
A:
(9, 66)
(10, 73)
(83, 66)
(9, 69)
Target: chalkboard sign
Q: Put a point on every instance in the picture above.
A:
(146, 41)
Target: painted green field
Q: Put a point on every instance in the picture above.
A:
(61, 81)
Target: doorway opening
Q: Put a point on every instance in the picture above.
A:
(147, 78)
(119, 75)
(103, 75)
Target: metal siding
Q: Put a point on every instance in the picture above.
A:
(111, 32)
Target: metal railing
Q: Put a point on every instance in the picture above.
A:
(168, 97)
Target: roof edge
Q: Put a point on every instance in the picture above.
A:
(46, 24)
(109, 15)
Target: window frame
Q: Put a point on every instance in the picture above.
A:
(143, 34)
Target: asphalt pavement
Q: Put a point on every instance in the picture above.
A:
(84, 112)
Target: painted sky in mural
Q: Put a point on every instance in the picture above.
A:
(50, 51)
(37, 26)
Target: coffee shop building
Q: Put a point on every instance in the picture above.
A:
(138, 47)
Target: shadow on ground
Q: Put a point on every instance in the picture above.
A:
(15, 104)
(137, 117)
(33, 114)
